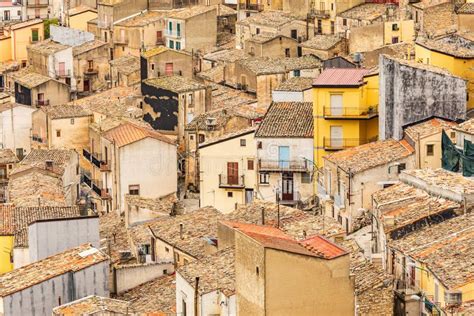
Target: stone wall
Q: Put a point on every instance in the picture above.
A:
(410, 93)
(366, 38)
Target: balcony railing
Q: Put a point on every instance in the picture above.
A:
(231, 182)
(37, 4)
(91, 71)
(250, 6)
(322, 13)
(63, 73)
(96, 186)
(105, 166)
(87, 154)
(173, 33)
(284, 165)
(37, 139)
(350, 112)
(95, 160)
(39, 103)
(344, 143)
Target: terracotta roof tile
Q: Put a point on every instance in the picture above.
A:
(287, 119)
(429, 127)
(72, 260)
(341, 77)
(177, 84)
(93, 304)
(65, 111)
(128, 133)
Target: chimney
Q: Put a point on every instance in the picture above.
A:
(181, 230)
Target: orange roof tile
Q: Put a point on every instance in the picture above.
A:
(128, 133)
(323, 246)
(341, 77)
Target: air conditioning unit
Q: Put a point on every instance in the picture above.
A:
(453, 298)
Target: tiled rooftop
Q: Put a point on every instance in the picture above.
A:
(371, 155)
(399, 193)
(28, 23)
(223, 10)
(267, 65)
(216, 272)
(466, 8)
(287, 119)
(191, 12)
(428, 128)
(38, 157)
(72, 260)
(242, 102)
(31, 79)
(214, 74)
(341, 77)
(156, 297)
(458, 45)
(128, 133)
(221, 116)
(143, 19)
(93, 304)
(65, 111)
(322, 42)
(440, 178)
(197, 225)
(466, 127)
(47, 47)
(7, 156)
(365, 12)
(268, 18)
(177, 84)
(226, 55)
(80, 9)
(228, 136)
(88, 46)
(446, 248)
(264, 37)
(113, 235)
(295, 84)
(127, 64)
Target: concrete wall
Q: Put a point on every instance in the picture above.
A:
(184, 293)
(47, 238)
(128, 277)
(149, 163)
(409, 94)
(288, 96)
(40, 299)
(69, 36)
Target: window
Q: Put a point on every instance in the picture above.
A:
(191, 137)
(294, 34)
(165, 271)
(19, 153)
(171, 44)
(306, 177)
(344, 22)
(259, 145)
(178, 45)
(167, 249)
(453, 134)
(146, 249)
(72, 121)
(257, 30)
(185, 261)
(332, 6)
(320, 27)
(190, 99)
(297, 73)
(170, 27)
(257, 271)
(134, 189)
(230, 194)
(250, 164)
(243, 142)
(90, 63)
(202, 138)
(34, 35)
(264, 178)
(430, 150)
(287, 52)
(402, 167)
(395, 27)
(395, 40)
(183, 307)
(332, 27)
(152, 66)
(58, 133)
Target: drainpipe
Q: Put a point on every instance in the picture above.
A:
(196, 295)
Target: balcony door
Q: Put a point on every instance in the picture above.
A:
(336, 136)
(287, 186)
(336, 104)
(62, 69)
(284, 156)
(233, 173)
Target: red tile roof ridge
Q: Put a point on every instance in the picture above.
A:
(323, 246)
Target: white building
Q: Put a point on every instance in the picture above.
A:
(15, 128)
(137, 160)
(285, 153)
(227, 169)
(295, 89)
(11, 11)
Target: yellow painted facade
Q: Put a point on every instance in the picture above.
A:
(5, 49)
(22, 37)
(461, 67)
(326, 11)
(402, 31)
(79, 21)
(358, 119)
(6, 249)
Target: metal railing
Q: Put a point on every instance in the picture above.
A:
(343, 143)
(231, 182)
(105, 165)
(321, 13)
(284, 165)
(63, 73)
(37, 139)
(37, 3)
(350, 112)
(120, 40)
(91, 71)
(173, 33)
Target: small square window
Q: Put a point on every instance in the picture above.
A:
(453, 134)
(134, 189)
(167, 249)
(430, 150)
(72, 121)
(395, 27)
(202, 138)
(243, 142)
(165, 271)
(402, 167)
(264, 178)
(58, 133)
(191, 137)
(230, 194)
(259, 145)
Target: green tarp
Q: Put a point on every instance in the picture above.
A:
(468, 159)
(451, 155)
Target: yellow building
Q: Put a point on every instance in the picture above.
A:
(6, 252)
(24, 34)
(402, 31)
(345, 110)
(79, 16)
(453, 53)
(5, 48)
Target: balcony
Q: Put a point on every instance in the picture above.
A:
(348, 113)
(95, 160)
(284, 165)
(176, 34)
(37, 139)
(325, 14)
(36, 4)
(344, 143)
(251, 6)
(39, 103)
(96, 186)
(91, 71)
(87, 154)
(105, 166)
(63, 73)
(226, 182)
(290, 199)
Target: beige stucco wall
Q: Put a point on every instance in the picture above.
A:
(425, 161)
(79, 21)
(20, 39)
(182, 64)
(366, 38)
(100, 56)
(201, 31)
(57, 93)
(273, 48)
(213, 161)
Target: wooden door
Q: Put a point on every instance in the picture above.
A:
(62, 69)
(159, 37)
(86, 85)
(233, 173)
(287, 186)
